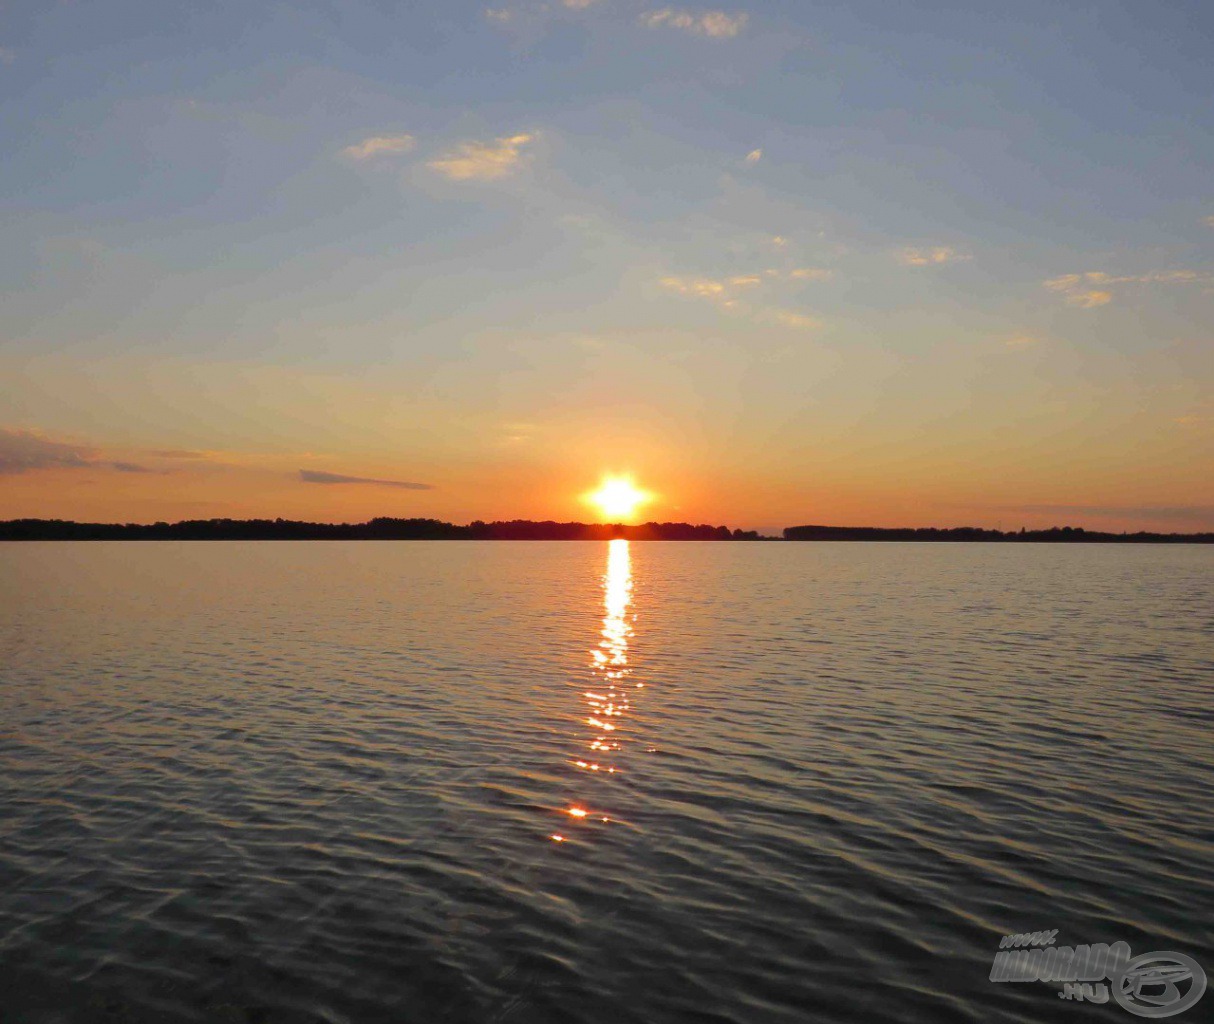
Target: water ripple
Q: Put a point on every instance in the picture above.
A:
(320, 782)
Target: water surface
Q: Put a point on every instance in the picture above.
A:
(579, 782)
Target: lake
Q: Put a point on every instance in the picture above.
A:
(594, 782)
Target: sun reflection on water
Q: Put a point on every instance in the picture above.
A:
(608, 700)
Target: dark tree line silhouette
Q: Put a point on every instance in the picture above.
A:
(1055, 534)
(382, 528)
(386, 528)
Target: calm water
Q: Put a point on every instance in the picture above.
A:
(325, 782)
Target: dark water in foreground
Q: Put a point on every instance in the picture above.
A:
(322, 782)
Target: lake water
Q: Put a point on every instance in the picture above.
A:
(581, 782)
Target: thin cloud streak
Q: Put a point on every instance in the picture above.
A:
(24, 450)
(483, 161)
(789, 318)
(723, 294)
(315, 476)
(1090, 289)
(714, 24)
(378, 145)
(934, 257)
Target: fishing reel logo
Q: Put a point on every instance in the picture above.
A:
(1149, 985)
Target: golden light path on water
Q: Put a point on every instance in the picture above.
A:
(608, 699)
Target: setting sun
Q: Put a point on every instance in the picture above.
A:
(618, 498)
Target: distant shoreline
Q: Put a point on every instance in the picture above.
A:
(384, 528)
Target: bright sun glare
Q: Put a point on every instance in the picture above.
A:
(618, 498)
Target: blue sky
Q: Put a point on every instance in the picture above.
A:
(844, 260)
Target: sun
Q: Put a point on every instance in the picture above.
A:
(618, 498)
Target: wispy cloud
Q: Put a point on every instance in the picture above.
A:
(179, 453)
(24, 450)
(932, 257)
(724, 289)
(754, 156)
(705, 288)
(727, 294)
(715, 24)
(532, 12)
(516, 433)
(1075, 289)
(1091, 288)
(482, 161)
(1023, 341)
(790, 318)
(379, 145)
(315, 476)
(1209, 221)
(723, 292)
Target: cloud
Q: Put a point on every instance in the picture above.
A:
(482, 161)
(578, 5)
(501, 15)
(1022, 341)
(24, 450)
(811, 274)
(377, 145)
(726, 293)
(754, 156)
(715, 24)
(314, 476)
(1074, 288)
(1092, 287)
(1209, 221)
(779, 241)
(789, 318)
(178, 453)
(705, 288)
(936, 256)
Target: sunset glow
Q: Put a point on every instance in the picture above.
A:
(618, 498)
(812, 313)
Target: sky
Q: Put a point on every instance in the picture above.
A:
(866, 263)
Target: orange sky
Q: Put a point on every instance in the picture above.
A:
(784, 265)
